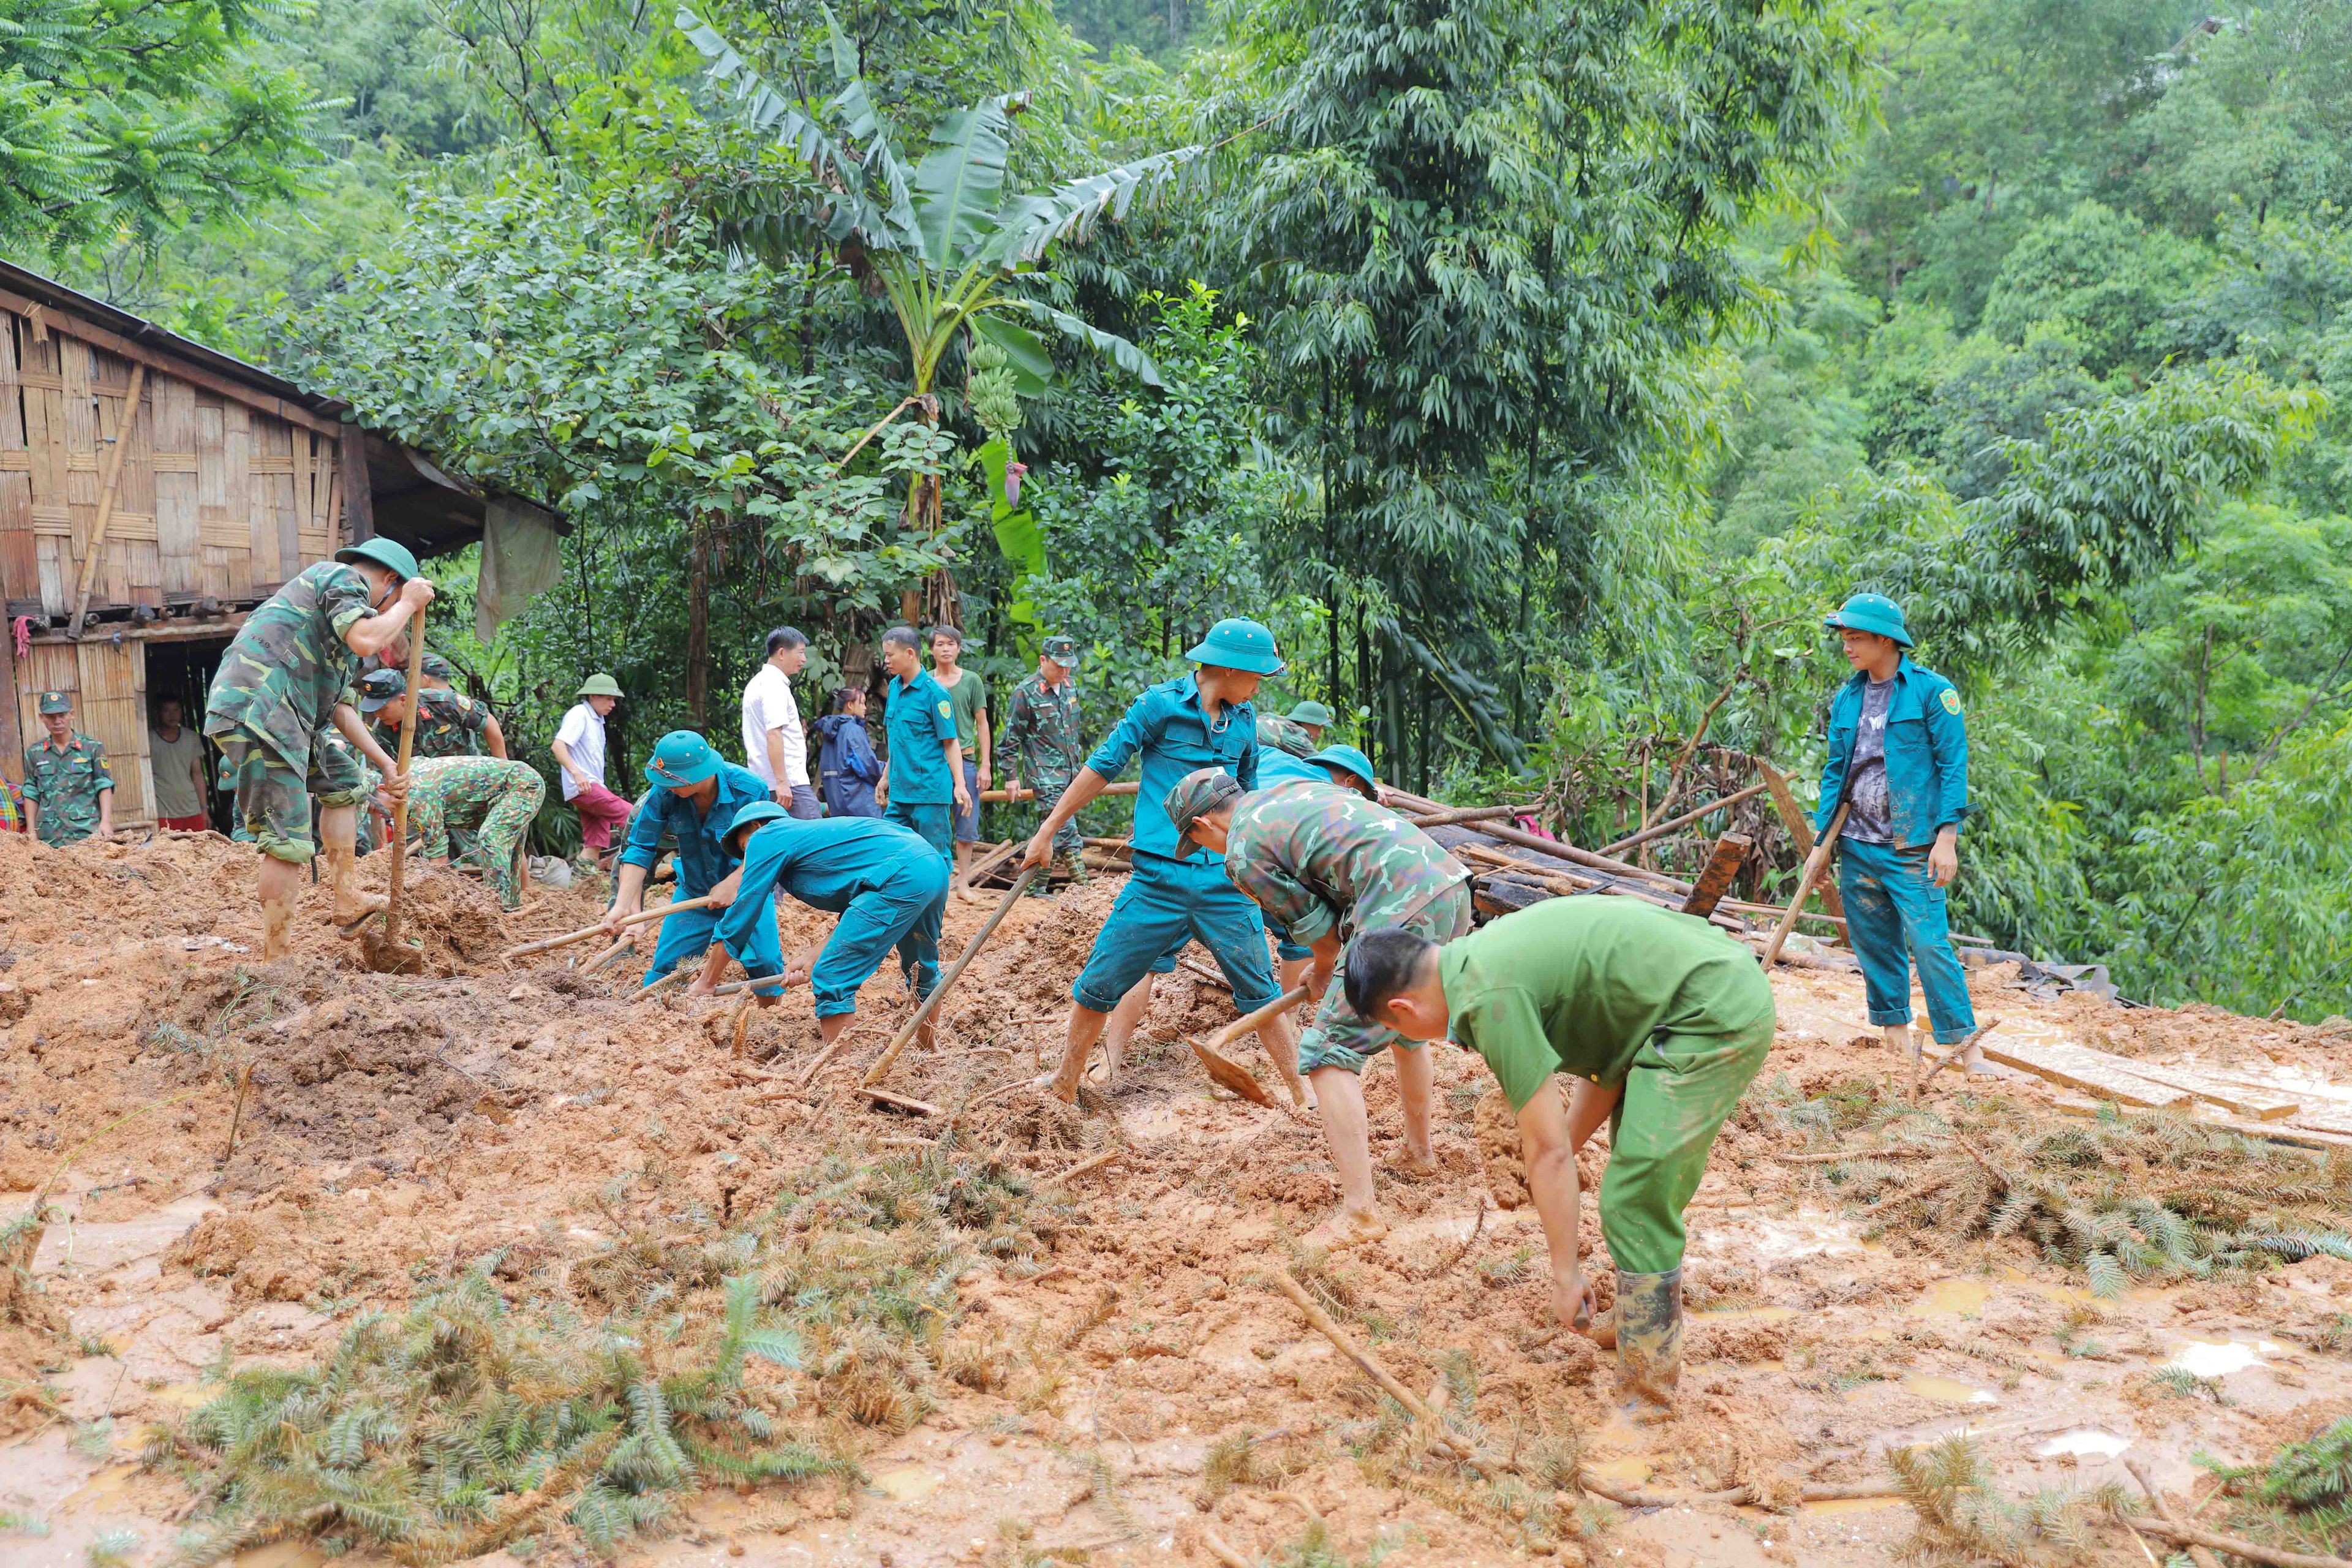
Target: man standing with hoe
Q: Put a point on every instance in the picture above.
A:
(695, 800)
(1898, 760)
(1658, 1020)
(279, 690)
(1326, 864)
(1204, 720)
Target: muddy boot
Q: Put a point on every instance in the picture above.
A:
(1649, 1322)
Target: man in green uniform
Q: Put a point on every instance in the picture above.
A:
(1323, 863)
(1312, 718)
(1042, 739)
(1661, 1021)
(448, 724)
(469, 714)
(68, 787)
(279, 688)
(495, 797)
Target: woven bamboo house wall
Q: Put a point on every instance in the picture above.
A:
(152, 491)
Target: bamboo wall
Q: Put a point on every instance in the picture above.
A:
(203, 492)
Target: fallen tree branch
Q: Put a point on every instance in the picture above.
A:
(2198, 1555)
(2252, 1551)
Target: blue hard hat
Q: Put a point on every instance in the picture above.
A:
(681, 758)
(1238, 644)
(1351, 761)
(388, 553)
(1871, 613)
(752, 816)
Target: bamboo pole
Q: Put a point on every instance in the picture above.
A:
(1001, 796)
(1684, 820)
(1815, 863)
(106, 499)
(906, 1031)
(407, 750)
(658, 911)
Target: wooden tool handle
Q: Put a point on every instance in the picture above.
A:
(658, 911)
(1248, 1022)
(407, 750)
(875, 1074)
(1814, 864)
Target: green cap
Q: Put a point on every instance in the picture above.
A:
(1199, 791)
(1063, 651)
(1238, 644)
(751, 817)
(600, 685)
(1310, 712)
(1871, 613)
(379, 687)
(437, 668)
(56, 702)
(384, 552)
(681, 758)
(1354, 765)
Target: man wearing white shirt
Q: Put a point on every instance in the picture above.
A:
(774, 745)
(580, 752)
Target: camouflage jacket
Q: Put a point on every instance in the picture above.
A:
(65, 785)
(282, 677)
(448, 725)
(1041, 733)
(1317, 858)
(1280, 735)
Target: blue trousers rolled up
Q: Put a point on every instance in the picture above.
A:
(1167, 903)
(1895, 919)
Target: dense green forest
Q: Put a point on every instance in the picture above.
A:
(1540, 372)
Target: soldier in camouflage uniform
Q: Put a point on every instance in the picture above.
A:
(279, 689)
(1041, 738)
(495, 797)
(1278, 733)
(1325, 863)
(447, 725)
(470, 714)
(68, 787)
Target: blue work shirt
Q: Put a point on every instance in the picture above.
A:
(1169, 726)
(1277, 766)
(1927, 753)
(702, 859)
(825, 862)
(920, 722)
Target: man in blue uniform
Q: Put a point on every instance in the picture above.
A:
(887, 885)
(1898, 758)
(1204, 720)
(694, 799)
(926, 774)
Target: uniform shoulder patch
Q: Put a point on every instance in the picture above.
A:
(946, 708)
(1951, 701)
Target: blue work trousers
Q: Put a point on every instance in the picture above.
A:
(934, 824)
(905, 914)
(1166, 903)
(1894, 919)
(687, 935)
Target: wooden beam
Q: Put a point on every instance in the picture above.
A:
(96, 547)
(2095, 1073)
(1684, 820)
(1801, 829)
(358, 500)
(168, 363)
(1714, 880)
(2262, 1105)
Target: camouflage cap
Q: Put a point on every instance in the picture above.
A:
(379, 687)
(1063, 651)
(1197, 793)
(57, 702)
(436, 667)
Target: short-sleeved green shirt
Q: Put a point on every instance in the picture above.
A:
(1580, 985)
(289, 666)
(970, 694)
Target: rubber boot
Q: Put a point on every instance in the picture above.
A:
(1649, 1319)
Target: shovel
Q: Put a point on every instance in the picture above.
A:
(881, 1067)
(1229, 1074)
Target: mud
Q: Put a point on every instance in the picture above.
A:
(400, 1126)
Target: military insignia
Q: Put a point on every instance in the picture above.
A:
(1951, 701)
(945, 709)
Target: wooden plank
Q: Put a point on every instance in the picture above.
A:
(2079, 1067)
(170, 364)
(238, 493)
(141, 560)
(1723, 864)
(277, 493)
(2262, 1105)
(116, 454)
(358, 500)
(304, 507)
(1801, 830)
(19, 563)
(174, 425)
(224, 560)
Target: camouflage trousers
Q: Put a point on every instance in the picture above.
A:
(274, 795)
(497, 799)
(1341, 1038)
(1049, 787)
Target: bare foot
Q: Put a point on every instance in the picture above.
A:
(1348, 1227)
(1044, 1084)
(1409, 1166)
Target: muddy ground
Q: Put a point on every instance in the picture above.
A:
(398, 1128)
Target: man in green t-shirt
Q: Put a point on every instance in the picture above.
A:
(968, 690)
(1660, 1019)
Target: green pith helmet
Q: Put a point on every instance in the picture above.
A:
(1238, 644)
(1354, 764)
(388, 553)
(1311, 713)
(1871, 613)
(681, 758)
(600, 685)
(1199, 791)
(751, 817)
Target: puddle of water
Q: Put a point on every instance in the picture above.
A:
(1964, 1297)
(2202, 1358)
(283, 1555)
(105, 1484)
(1951, 1391)
(1852, 1505)
(908, 1483)
(1631, 1471)
(2081, 1441)
(1746, 1315)
(1772, 1238)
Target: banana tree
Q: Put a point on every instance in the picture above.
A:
(941, 237)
